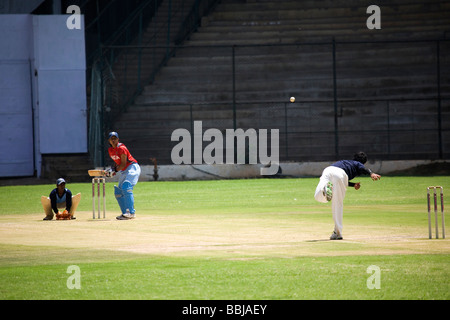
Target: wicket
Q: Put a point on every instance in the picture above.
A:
(436, 211)
(98, 181)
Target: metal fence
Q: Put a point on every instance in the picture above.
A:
(388, 98)
(149, 26)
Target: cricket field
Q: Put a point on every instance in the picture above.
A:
(255, 239)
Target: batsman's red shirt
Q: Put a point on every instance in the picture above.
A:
(115, 154)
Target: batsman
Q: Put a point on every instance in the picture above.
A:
(129, 170)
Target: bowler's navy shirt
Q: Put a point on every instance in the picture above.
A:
(352, 168)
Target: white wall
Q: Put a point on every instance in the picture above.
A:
(16, 117)
(42, 91)
(59, 59)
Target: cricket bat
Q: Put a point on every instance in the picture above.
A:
(96, 173)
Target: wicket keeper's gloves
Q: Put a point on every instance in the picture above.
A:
(63, 215)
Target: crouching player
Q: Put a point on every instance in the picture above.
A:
(129, 171)
(60, 198)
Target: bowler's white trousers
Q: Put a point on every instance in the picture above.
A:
(339, 179)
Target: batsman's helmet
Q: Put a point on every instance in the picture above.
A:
(113, 134)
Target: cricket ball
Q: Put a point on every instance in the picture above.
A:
(292, 99)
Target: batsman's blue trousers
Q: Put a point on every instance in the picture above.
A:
(124, 192)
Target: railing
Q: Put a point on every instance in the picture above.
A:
(332, 115)
(107, 22)
(143, 27)
(386, 129)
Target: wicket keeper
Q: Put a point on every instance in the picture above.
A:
(60, 198)
(129, 171)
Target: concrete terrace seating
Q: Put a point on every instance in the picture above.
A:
(283, 49)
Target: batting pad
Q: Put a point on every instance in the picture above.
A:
(128, 196)
(118, 193)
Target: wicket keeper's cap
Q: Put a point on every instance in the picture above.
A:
(59, 181)
(113, 134)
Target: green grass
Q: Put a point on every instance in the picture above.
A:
(228, 239)
(401, 277)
